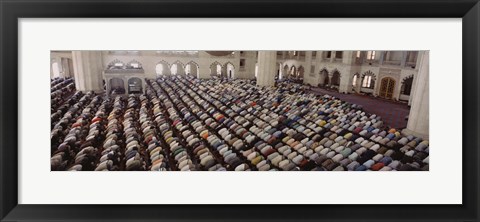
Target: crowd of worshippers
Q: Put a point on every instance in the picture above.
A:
(60, 90)
(188, 124)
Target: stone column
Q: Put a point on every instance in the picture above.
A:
(66, 68)
(88, 69)
(382, 57)
(332, 56)
(404, 59)
(418, 119)
(266, 68)
(308, 69)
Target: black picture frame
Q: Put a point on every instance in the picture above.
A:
(12, 10)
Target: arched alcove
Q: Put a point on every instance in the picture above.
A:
(216, 69)
(335, 78)
(192, 68)
(135, 85)
(117, 86)
(230, 70)
(162, 68)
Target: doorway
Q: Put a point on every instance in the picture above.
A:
(386, 87)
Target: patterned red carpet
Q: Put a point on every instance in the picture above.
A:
(393, 113)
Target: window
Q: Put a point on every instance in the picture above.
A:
(312, 69)
(338, 54)
(56, 69)
(407, 86)
(368, 81)
(358, 54)
(329, 54)
(354, 82)
(242, 63)
(174, 69)
(371, 55)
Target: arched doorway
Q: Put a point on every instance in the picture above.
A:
(300, 72)
(324, 77)
(117, 86)
(135, 85)
(293, 72)
(355, 79)
(162, 69)
(229, 70)
(387, 87)
(285, 71)
(215, 69)
(335, 79)
(407, 86)
(192, 69)
(177, 68)
(55, 69)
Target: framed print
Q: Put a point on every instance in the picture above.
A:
(239, 105)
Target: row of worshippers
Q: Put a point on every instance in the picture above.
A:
(345, 120)
(60, 90)
(189, 124)
(69, 134)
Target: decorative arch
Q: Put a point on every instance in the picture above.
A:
(229, 69)
(216, 69)
(162, 68)
(116, 63)
(192, 68)
(355, 79)
(368, 80)
(336, 76)
(285, 71)
(135, 85)
(324, 76)
(134, 64)
(406, 87)
(300, 72)
(117, 86)
(293, 71)
(177, 68)
(369, 73)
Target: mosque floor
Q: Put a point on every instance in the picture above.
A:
(393, 113)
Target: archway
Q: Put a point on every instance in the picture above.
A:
(135, 85)
(407, 86)
(177, 68)
(300, 72)
(324, 77)
(192, 69)
(335, 78)
(55, 69)
(293, 71)
(387, 87)
(368, 80)
(117, 86)
(229, 70)
(355, 78)
(285, 71)
(162, 69)
(215, 69)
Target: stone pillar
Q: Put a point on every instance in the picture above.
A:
(284, 54)
(332, 56)
(88, 69)
(382, 57)
(266, 68)
(404, 59)
(65, 68)
(307, 78)
(418, 119)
